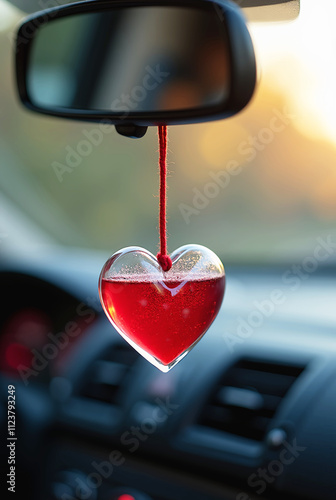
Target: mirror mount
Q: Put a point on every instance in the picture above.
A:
(132, 131)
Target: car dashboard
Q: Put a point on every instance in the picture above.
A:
(248, 413)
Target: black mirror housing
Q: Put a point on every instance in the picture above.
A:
(240, 77)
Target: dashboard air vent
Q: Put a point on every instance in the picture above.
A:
(247, 396)
(109, 373)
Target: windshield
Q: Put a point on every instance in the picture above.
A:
(258, 187)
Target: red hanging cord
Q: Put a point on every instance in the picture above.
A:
(164, 259)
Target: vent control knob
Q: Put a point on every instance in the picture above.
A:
(276, 438)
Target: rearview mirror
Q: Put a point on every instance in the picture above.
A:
(137, 63)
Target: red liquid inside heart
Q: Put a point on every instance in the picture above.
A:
(164, 318)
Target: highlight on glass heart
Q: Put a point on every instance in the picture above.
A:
(162, 314)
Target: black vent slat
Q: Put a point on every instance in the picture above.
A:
(291, 370)
(100, 392)
(222, 420)
(272, 383)
(108, 374)
(246, 398)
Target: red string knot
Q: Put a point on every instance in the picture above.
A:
(164, 261)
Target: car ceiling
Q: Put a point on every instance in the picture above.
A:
(255, 10)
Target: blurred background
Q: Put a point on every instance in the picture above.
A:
(280, 197)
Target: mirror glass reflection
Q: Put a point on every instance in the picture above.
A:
(146, 59)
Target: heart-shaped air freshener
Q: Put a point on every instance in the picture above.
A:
(162, 314)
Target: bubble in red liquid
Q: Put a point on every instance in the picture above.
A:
(164, 318)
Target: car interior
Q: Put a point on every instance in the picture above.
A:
(247, 91)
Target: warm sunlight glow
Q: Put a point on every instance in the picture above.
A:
(219, 139)
(308, 74)
(8, 15)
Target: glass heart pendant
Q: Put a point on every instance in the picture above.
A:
(162, 314)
